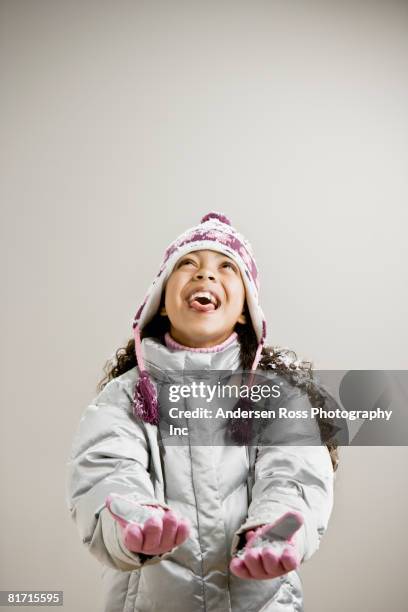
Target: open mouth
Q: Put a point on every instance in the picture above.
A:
(203, 301)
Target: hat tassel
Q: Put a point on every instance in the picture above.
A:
(145, 404)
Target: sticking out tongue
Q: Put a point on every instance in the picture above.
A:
(196, 305)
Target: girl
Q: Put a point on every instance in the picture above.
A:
(187, 527)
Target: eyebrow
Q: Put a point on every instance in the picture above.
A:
(219, 256)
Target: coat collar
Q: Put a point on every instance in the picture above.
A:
(159, 359)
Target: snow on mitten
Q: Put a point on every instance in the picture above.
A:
(149, 529)
(270, 550)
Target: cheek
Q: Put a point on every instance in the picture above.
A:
(237, 298)
(239, 291)
(172, 294)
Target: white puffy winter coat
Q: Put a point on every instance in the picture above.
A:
(223, 491)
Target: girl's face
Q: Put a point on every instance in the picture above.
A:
(197, 322)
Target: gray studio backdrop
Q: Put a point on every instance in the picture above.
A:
(122, 124)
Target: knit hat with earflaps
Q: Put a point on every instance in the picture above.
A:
(213, 233)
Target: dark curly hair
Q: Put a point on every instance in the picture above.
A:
(284, 361)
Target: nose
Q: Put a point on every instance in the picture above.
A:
(204, 274)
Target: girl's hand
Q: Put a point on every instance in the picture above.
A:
(148, 529)
(270, 550)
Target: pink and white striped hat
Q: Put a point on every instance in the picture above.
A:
(213, 233)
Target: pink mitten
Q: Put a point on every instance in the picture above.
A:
(147, 528)
(270, 550)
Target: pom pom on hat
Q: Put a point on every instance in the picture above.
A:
(216, 215)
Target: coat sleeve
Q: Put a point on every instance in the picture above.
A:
(109, 454)
(293, 471)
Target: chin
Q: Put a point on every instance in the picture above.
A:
(204, 328)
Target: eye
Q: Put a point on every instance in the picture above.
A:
(185, 261)
(230, 265)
